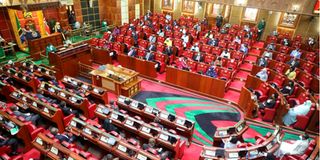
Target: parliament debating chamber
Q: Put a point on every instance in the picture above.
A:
(159, 79)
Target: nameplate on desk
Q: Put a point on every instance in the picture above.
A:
(65, 79)
(122, 148)
(73, 123)
(240, 127)
(31, 66)
(149, 109)
(54, 150)
(74, 82)
(141, 157)
(35, 104)
(129, 122)
(254, 152)
(39, 69)
(84, 87)
(180, 121)
(146, 129)
(87, 130)
(73, 99)
(42, 85)
(62, 94)
(114, 116)
(24, 99)
(24, 64)
(24, 77)
(16, 74)
(104, 139)
(99, 110)
(39, 141)
(96, 90)
(45, 110)
(234, 155)
(121, 99)
(163, 115)
(47, 72)
(134, 104)
(210, 153)
(15, 94)
(269, 146)
(222, 133)
(51, 90)
(164, 137)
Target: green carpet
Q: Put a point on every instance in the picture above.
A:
(19, 55)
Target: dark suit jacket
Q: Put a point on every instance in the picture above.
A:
(168, 51)
(200, 59)
(150, 58)
(293, 63)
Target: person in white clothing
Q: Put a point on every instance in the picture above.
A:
(301, 109)
(231, 143)
(225, 54)
(296, 148)
(263, 74)
(185, 39)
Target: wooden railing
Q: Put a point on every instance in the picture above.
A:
(84, 70)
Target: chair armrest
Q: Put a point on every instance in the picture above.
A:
(301, 123)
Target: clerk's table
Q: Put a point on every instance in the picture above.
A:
(121, 81)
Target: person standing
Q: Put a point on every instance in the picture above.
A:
(261, 26)
(219, 20)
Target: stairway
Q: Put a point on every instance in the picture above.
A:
(233, 91)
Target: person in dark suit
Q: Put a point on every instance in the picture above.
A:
(149, 56)
(66, 110)
(12, 142)
(34, 118)
(288, 89)
(219, 20)
(68, 137)
(198, 57)
(132, 52)
(263, 62)
(168, 50)
(152, 47)
(293, 63)
(269, 103)
(108, 126)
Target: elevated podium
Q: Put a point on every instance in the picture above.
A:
(121, 81)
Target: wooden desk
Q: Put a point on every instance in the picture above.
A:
(270, 145)
(27, 101)
(52, 149)
(39, 45)
(146, 68)
(195, 81)
(24, 132)
(5, 90)
(119, 80)
(70, 98)
(223, 133)
(67, 60)
(116, 146)
(142, 129)
(99, 94)
(100, 56)
(40, 71)
(179, 124)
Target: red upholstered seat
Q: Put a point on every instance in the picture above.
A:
(118, 48)
(160, 39)
(307, 67)
(204, 40)
(192, 65)
(270, 113)
(278, 80)
(302, 121)
(202, 68)
(301, 98)
(206, 49)
(160, 47)
(284, 49)
(297, 38)
(281, 58)
(237, 55)
(233, 65)
(247, 41)
(310, 56)
(233, 46)
(263, 90)
(169, 34)
(161, 58)
(216, 51)
(296, 44)
(128, 41)
(141, 53)
(227, 38)
(94, 42)
(271, 39)
(143, 43)
(208, 58)
(305, 80)
(120, 38)
(223, 44)
(187, 53)
(177, 35)
(279, 67)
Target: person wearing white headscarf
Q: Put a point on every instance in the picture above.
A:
(298, 147)
(301, 109)
(263, 74)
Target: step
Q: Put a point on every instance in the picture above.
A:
(258, 45)
(246, 67)
(242, 75)
(232, 96)
(251, 59)
(237, 85)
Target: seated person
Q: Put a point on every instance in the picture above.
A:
(263, 62)
(293, 62)
(152, 47)
(160, 33)
(213, 42)
(295, 53)
(211, 72)
(271, 47)
(185, 40)
(198, 57)
(286, 42)
(225, 54)
(12, 142)
(288, 89)
(3, 42)
(152, 38)
(34, 118)
(66, 110)
(270, 102)
(66, 136)
(291, 73)
(183, 64)
(168, 50)
(108, 126)
(296, 148)
(301, 109)
(263, 74)
(231, 142)
(237, 39)
(246, 28)
(151, 144)
(132, 52)
(218, 62)
(168, 42)
(267, 54)
(149, 56)
(244, 49)
(195, 48)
